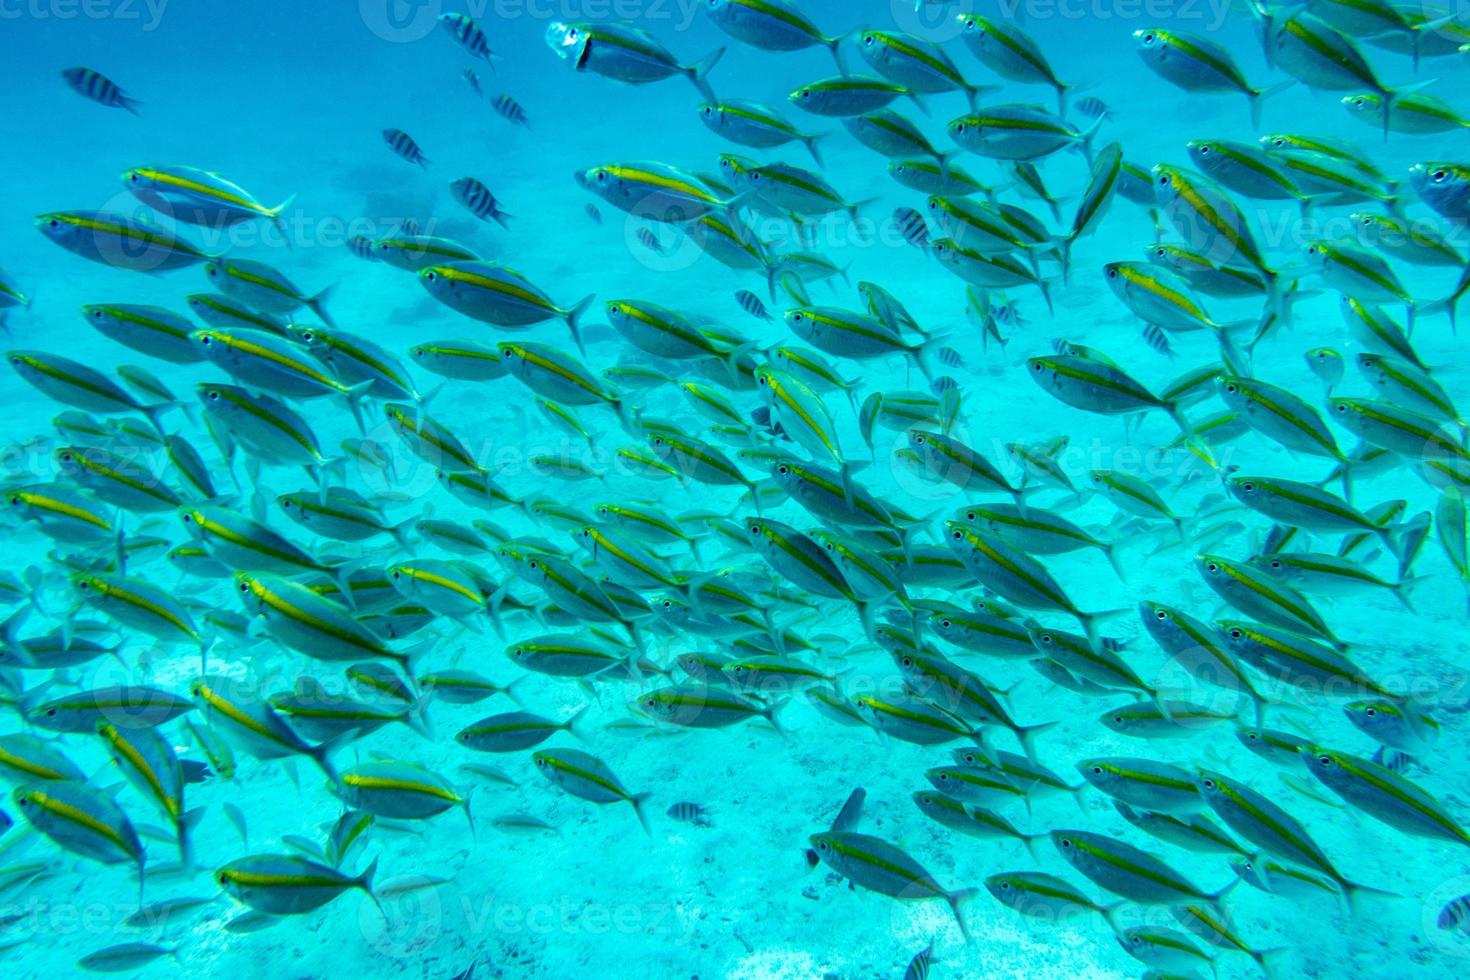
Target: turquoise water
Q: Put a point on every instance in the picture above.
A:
(287, 100)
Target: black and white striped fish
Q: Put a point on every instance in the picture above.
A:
(1094, 108)
(1456, 915)
(474, 80)
(650, 241)
(100, 89)
(691, 813)
(1008, 313)
(463, 29)
(911, 225)
(950, 357)
(919, 966)
(751, 303)
(479, 200)
(409, 226)
(942, 384)
(1158, 340)
(511, 110)
(594, 214)
(362, 247)
(402, 144)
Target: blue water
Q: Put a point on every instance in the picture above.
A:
(291, 99)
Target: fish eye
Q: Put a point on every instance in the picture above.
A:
(1112, 273)
(1213, 567)
(54, 223)
(1117, 719)
(1149, 38)
(1325, 760)
(83, 585)
(1161, 616)
(1438, 175)
(431, 276)
(945, 624)
(1065, 843)
(214, 396)
(1247, 487)
(822, 846)
(1209, 784)
(97, 314)
(206, 340)
(1341, 409)
(908, 661)
(1276, 564)
(958, 536)
(1232, 388)
(1236, 634)
(1046, 638)
(1097, 770)
(944, 777)
(869, 40)
(244, 586)
(1371, 712)
(1204, 150)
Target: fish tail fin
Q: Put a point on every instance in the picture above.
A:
(154, 415)
(810, 142)
(700, 69)
(1111, 550)
(957, 902)
(834, 44)
(575, 725)
(574, 320)
(274, 214)
(1267, 959)
(1026, 734)
(1257, 96)
(638, 799)
(1353, 890)
(771, 715)
(399, 533)
(318, 305)
(852, 209)
(355, 396)
(501, 215)
(365, 882)
(186, 824)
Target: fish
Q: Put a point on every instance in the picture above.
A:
(199, 197)
(626, 53)
(478, 200)
(465, 30)
(284, 884)
(99, 88)
(404, 146)
(120, 241)
(771, 25)
(879, 866)
(1198, 64)
(510, 110)
(497, 294)
(588, 778)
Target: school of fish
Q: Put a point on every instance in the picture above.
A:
(227, 592)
